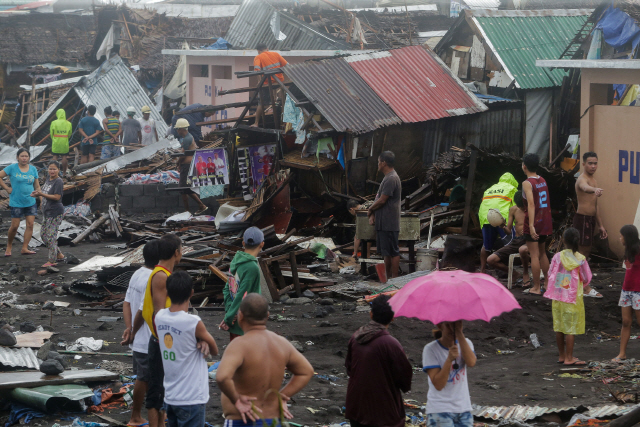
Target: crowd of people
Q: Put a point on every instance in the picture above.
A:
(169, 345)
(110, 135)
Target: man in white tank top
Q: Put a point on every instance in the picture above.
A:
(186, 380)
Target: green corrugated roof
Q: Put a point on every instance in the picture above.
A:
(520, 40)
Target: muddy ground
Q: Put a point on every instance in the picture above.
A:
(498, 379)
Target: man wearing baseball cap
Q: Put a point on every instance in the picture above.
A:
(131, 129)
(245, 279)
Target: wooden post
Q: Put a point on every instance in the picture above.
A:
(412, 255)
(467, 203)
(89, 230)
(294, 274)
(31, 104)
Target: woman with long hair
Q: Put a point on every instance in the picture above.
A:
(51, 198)
(24, 180)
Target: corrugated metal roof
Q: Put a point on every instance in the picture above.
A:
(341, 96)
(526, 413)
(18, 357)
(252, 25)
(519, 38)
(112, 84)
(416, 84)
(482, 4)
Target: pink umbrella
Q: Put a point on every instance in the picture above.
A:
(448, 296)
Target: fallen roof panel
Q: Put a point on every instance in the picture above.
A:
(416, 84)
(252, 25)
(341, 96)
(18, 357)
(110, 85)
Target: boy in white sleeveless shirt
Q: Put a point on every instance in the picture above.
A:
(186, 380)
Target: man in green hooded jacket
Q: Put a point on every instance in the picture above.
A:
(499, 196)
(60, 135)
(245, 279)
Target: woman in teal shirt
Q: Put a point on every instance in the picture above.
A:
(24, 180)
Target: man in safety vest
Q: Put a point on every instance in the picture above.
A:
(60, 135)
(265, 61)
(499, 196)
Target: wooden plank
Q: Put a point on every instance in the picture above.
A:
(9, 380)
(470, 179)
(32, 339)
(294, 273)
(217, 272)
(110, 420)
(273, 290)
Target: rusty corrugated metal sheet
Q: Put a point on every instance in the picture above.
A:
(341, 96)
(18, 357)
(416, 84)
(609, 411)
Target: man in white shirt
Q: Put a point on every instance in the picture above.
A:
(132, 301)
(219, 168)
(148, 125)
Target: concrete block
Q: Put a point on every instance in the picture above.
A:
(144, 202)
(154, 190)
(168, 201)
(131, 190)
(126, 202)
(156, 210)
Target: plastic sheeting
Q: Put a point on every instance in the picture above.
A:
(107, 44)
(177, 87)
(538, 122)
(618, 28)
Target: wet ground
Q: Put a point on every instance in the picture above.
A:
(521, 375)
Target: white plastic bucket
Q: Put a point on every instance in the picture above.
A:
(426, 259)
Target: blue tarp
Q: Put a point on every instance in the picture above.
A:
(220, 44)
(18, 411)
(618, 28)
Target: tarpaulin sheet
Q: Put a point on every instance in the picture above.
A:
(19, 412)
(538, 108)
(618, 28)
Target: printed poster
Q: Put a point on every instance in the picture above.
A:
(261, 160)
(209, 167)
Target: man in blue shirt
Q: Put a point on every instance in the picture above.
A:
(192, 118)
(89, 128)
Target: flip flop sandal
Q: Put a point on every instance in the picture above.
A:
(618, 360)
(576, 363)
(528, 292)
(49, 264)
(201, 211)
(594, 294)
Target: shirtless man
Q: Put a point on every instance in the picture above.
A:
(252, 369)
(587, 217)
(500, 258)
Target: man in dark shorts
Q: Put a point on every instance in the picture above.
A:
(587, 218)
(385, 214)
(500, 258)
(89, 127)
(538, 224)
(184, 163)
(265, 61)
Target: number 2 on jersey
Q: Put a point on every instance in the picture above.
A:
(543, 199)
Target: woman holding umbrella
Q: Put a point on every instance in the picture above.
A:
(446, 298)
(446, 360)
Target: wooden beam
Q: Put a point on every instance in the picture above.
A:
(253, 98)
(273, 290)
(294, 273)
(10, 380)
(233, 119)
(470, 179)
